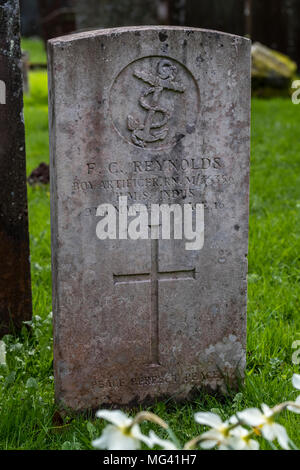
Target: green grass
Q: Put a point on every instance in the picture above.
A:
(26, 384)
(36, 49)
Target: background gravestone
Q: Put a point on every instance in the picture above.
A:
(57, 17)
(15, 290)
(138, 320)
(30, 18)
(111, 13)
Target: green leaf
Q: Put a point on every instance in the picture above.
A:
(91, 430)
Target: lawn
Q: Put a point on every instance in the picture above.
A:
(28, 419)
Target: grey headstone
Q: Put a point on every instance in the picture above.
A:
(15, 289)
(138, 320)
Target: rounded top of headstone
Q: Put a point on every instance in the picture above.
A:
(137, 30)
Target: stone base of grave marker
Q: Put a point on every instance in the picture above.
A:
(157, 115)
(15, 288)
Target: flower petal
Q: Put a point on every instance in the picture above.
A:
(125, 443)
(267, 411)
(117, 440)
(211, 438)
(100, 443)
(269, 432)
(113, 439)
(282, 436)
(225, 446)
(251, 417)
(209, 419)
(239, 431)
(137, 434)
(296, 381)
(208, 444)
(239, 439)
(253, 445)
(236, 443)
(116, 417)
(233, 420)
(164, 444)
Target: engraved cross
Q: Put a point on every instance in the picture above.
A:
(154, 277)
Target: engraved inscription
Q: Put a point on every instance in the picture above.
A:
(183, 377)
(151, 180)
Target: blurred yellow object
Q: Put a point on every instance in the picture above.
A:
(267, 63)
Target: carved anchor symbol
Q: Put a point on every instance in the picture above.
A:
(142, 133)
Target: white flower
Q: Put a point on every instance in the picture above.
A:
(218, 435)
(264, 423)
(164, 444)
(296, 381)
(121, 434)
(2, 353)
(240, 439)
(296, 384)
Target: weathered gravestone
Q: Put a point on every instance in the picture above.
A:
(155, 115)
(15, 290)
